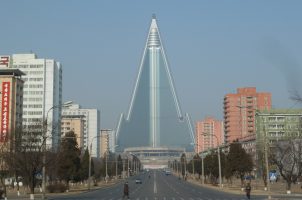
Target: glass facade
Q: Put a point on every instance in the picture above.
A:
(154, 118)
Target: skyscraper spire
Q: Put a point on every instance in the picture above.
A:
(154, 118)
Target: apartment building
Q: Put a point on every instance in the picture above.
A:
(239, 113)
(74, 123)
(91, 123)
(42, 94)
(209, 134)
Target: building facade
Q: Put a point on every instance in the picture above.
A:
(279, 124)
(105, 147)
(91, 122)
(239, 113)
(74, 123)
(11, 106)
(42, 94)
(275, 126)
(209, 134)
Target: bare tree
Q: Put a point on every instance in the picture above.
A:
(25, 155)
(287, 157)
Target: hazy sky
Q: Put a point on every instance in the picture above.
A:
(213, 47)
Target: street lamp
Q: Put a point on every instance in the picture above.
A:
(106, 177)
(89, 170)
(202, 164)
(219, 160)
(44, 129)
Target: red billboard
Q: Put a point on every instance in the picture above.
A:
(4, 61)
(5, 111)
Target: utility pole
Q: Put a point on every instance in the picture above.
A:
(116, 166)
(267, 170)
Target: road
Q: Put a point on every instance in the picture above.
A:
(158, 187)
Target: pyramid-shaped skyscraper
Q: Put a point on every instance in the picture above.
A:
(154, 118)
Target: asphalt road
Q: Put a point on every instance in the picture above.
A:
(158, 187)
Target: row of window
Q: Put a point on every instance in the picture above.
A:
(28, 66)
(33, 86)
(32, 119)
(33, 92)
(35, 72)
(32, 113)
(33, 106)
(32, 79)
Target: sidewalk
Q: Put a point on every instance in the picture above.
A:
(277, 189)
(24, 195)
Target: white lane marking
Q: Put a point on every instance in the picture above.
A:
(155, 187)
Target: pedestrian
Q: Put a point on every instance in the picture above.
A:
(126, 190)
(248, 189)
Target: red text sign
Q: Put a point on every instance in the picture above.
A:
(5, 111)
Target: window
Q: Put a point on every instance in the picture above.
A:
(36, 79)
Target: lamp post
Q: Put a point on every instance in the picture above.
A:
(202, 169)
(44, 129)
(266, 149)
(106, 178)
(202, 164)
(89, 170)
(116, 165)
(116, 160)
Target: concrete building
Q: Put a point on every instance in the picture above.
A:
(105, 135)
(239, 113)
(91, 121)
(209, 134)
(278, 124)
(11, 105)
(74, 123)
(42, 93)
(274, 126)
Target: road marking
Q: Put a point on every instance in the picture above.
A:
(155, 187)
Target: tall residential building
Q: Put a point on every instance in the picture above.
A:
(74, 123)
(239, 113)
(105, 137)
(11, 105)
(91, 121)
(42, 94)
(209, 134)
(154, 118)
(110, 144)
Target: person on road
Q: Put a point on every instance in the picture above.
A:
(126, 190)
(248, 189)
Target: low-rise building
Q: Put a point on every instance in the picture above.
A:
(11, 105)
